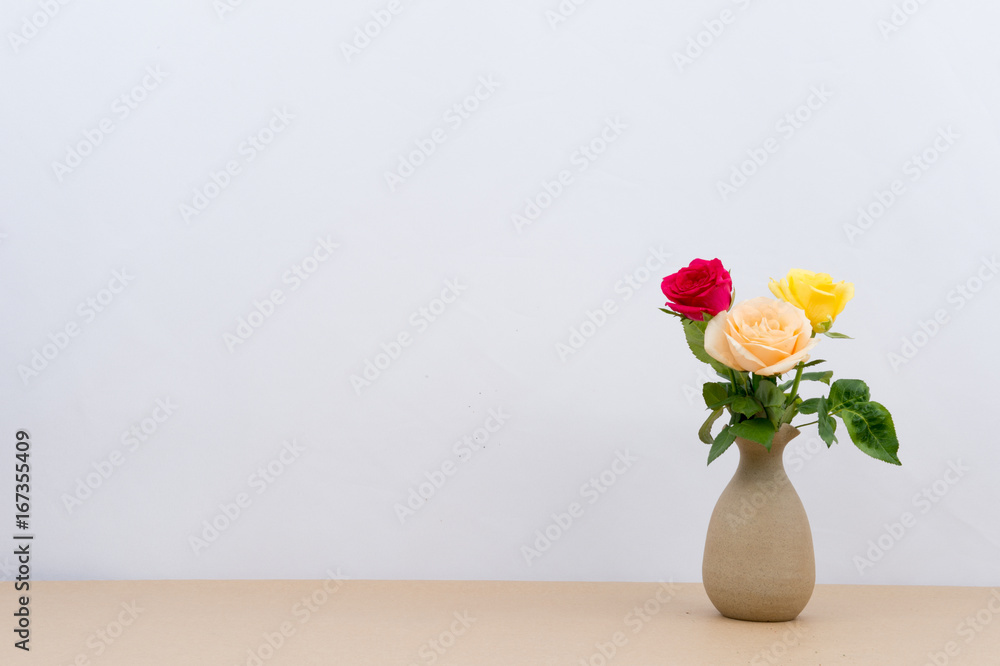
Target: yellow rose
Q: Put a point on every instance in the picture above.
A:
(816, 293)
(762, 335)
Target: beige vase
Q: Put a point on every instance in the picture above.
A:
(759, 562)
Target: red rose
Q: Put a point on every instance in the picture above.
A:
(704, 286)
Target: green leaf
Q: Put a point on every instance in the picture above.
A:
(773, 400)
(743, 379)
(847, 391)
(756, 430)
(745, 405)
(715, 394)
(694, 333)
(769, 394)
(721, 443)
(789, 413)
(832, 334)
(871, 429)
(812, 363)
(824, 377)
(671, 312)
(827, 426)
(810, 406)
(705, 432)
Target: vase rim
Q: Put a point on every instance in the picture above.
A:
(786, 433)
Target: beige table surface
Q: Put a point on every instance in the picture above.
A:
(480, 622)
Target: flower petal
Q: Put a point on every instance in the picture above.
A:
(790, 362)
(696, 313)
(715, 341)
(744, 358)
(766, 353)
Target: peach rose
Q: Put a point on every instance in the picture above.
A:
(762, 335)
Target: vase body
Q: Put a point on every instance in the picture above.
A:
(759, 563)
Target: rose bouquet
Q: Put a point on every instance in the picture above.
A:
(751, 344)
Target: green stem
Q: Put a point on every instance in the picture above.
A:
(737, 384)
(803, 425)
(798, 377)
(795, 385)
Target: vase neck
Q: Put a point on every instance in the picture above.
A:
(753, 453)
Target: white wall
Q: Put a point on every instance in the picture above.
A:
(678, 130)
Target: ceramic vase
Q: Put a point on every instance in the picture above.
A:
(759, 563)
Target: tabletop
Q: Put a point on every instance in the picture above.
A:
(336, 621)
